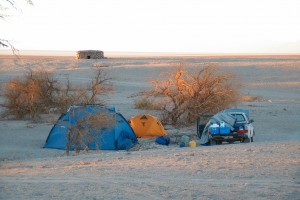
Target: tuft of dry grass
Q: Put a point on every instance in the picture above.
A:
(275, 84)
(147, 103)
(251, 98)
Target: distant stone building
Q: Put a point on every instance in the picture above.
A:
(90, 54)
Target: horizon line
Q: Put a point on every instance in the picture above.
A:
(133, 53)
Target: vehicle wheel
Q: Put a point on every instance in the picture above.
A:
(252, 138)
(246, 140)
(212, 142)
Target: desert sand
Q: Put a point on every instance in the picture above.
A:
(268, 168)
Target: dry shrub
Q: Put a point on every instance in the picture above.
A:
(251, 98)
(38, 92)
(147, 103)
(189, 94)
(33, 95)
(75, 95)
(86, 130)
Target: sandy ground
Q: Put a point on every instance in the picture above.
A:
(269, 168)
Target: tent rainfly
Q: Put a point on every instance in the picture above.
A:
(147, 126)
(118, 136)
(90, 54)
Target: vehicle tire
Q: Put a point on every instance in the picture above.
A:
(246, 140)
(251, 139)
(212, 142)
(231, 141)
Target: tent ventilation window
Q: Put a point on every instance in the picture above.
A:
(144, 117)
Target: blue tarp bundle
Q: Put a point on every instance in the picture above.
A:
(118, 136)
(163, 140)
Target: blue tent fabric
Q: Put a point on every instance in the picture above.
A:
(119, 136)
(124, 142)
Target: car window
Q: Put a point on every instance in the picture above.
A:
(239, 117)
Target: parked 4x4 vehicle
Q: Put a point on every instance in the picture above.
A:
(229, 125)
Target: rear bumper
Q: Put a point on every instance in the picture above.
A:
(228, 137)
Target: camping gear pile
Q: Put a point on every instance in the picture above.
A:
(186, 141)
(212, 127)
(229, 125)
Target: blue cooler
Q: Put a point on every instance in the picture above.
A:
(214, 130)
(224, 130)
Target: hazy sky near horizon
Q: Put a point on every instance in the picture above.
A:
(198, 26)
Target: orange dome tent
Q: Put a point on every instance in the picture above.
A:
(147, 126)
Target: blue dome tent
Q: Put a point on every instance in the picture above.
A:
(116, 136)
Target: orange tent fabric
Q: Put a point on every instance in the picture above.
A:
(147, 126)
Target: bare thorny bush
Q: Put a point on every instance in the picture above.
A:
(30, 96)
(39, 92)
(70, 95)
(86, 130)
(189, 94)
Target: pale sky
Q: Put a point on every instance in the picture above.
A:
(187, 26)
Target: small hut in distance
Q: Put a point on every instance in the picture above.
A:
(90, 54)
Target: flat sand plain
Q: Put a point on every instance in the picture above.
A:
(268, 168)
